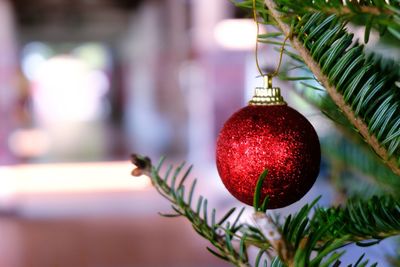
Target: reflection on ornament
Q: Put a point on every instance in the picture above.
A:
(267, 134)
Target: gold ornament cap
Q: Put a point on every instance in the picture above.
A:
(267, 95)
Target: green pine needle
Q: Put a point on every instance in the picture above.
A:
(314, 234)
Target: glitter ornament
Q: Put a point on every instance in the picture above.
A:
(268, 134)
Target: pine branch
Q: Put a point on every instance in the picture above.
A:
(220, 237)
(340, 8)
(347, 149)
(301, 240)
(377, 7)
(388, 130)
(364, 222)
(378, 14)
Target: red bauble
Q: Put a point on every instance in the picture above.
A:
(277, 138)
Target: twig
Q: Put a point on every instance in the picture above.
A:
(363, 9)
(271, 233)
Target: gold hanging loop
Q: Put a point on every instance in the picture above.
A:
(258, 33)
(282, 49)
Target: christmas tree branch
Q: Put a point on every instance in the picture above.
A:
(371, 220)
(337, 96)
(348, 149)
(379, 14)
(301, 240)
(221, 237)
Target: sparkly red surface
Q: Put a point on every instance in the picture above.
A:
(277, 138)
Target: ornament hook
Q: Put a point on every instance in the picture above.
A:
(267, 81)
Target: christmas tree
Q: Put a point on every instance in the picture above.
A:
(352, 85)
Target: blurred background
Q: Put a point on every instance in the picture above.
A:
(85, 83)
